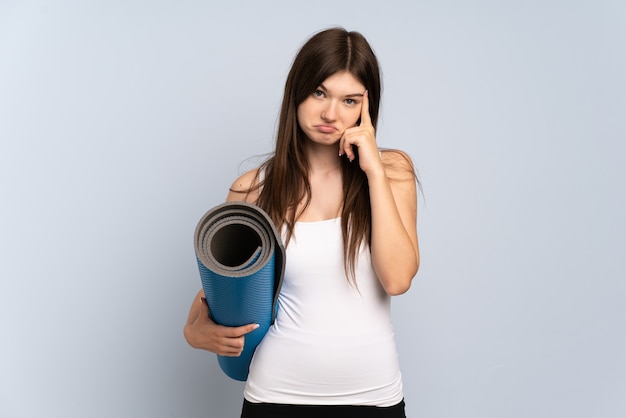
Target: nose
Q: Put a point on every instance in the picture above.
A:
(329, 113)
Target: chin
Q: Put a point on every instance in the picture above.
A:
(326, 141)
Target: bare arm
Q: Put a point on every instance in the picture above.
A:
(393, 199)
(201, 332)
(393, 196)
(243, 189)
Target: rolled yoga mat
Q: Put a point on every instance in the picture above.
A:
(241, 260)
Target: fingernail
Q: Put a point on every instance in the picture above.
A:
(256, 326)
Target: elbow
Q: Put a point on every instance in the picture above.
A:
(189, 337)
(401, 283)
(397, 290)
(397, 281)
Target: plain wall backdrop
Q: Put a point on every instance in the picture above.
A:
(122, 122)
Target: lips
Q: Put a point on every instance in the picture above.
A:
(326, 129)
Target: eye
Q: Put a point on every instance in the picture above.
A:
(318, 93)
(350, 102)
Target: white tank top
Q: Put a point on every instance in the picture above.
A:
(332, 343)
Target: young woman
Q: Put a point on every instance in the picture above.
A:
(348, 212)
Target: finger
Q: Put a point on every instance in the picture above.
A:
(233, 347)
(348, 150)
(342, 142)
(236, 332)
(344, 146)
(366, 120)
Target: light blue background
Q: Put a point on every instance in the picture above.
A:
(121, 123)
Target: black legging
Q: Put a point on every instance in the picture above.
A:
(270, 410)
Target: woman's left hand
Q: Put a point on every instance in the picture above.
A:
(363, 137)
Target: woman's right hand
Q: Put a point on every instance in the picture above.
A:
(201, 332)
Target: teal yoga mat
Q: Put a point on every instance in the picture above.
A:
(241, 260)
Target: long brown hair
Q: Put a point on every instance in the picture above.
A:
(286, 180)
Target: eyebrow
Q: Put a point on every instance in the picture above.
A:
(323, 87)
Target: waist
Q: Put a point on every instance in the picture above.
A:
(329, 370)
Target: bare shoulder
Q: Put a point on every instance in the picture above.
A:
(398, 165)
(245, 188)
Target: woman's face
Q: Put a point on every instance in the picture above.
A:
(332, 108)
